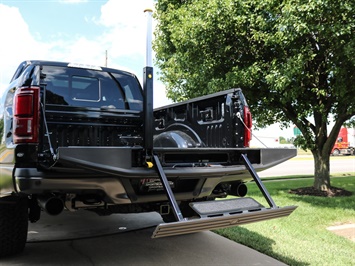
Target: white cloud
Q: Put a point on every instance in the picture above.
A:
(128, 14)
(124, 37)
(159, 98)
(18, 44)
(73, 1)
(126, 23)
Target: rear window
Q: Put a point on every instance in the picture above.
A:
(90, 88)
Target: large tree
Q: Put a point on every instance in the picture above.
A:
(294, 60)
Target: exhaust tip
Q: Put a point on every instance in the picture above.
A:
(238, 189)
(53, 206)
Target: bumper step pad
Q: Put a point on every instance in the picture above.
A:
(223, 221)
(225, 207)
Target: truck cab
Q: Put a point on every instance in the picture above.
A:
(344, 144)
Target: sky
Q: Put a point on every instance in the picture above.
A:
(76, 31)
(82, 31)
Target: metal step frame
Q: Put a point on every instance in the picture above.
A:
(231, 212)
(167, 188)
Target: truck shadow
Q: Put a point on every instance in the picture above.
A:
(137, 248)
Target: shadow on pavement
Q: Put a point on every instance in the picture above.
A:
(57, 243)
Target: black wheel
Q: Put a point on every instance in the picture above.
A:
(336, 152)
(13, 225)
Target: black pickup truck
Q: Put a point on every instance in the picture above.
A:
(81, 137)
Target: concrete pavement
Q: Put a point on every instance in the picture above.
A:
(87, 239)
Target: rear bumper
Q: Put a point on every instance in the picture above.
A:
(109, 171)
(183, 163)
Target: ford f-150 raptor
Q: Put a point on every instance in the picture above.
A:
(83, 137)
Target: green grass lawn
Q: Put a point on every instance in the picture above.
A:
(301, 238)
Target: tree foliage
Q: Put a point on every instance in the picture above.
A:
(294, 60)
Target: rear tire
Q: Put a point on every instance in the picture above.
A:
(336, 152)
(13, 225)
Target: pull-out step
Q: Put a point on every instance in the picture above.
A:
(222, 221)
(219, 213)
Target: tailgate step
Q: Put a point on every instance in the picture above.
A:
(219, 213)
(225, 207)
(202, 224)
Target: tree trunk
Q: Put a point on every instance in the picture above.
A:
(321, 171)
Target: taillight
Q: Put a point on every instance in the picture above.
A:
(248, 124)
(26, 115)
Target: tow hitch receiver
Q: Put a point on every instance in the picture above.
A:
(220, 213)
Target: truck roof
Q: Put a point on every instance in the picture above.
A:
(23, 65)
